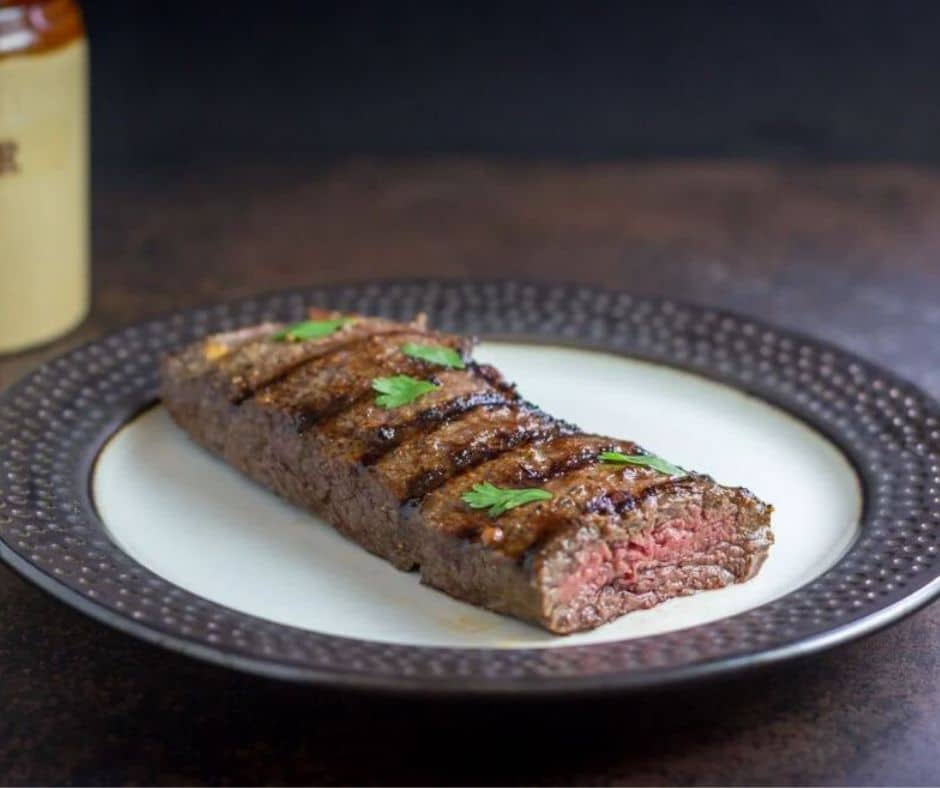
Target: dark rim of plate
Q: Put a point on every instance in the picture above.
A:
(54, 422)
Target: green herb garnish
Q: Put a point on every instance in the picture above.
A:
(310, 329)
(647, 460)
(400, 390)
(499, 499)
(435, 354)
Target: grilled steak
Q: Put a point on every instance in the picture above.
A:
(608, 531)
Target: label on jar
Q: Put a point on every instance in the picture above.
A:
(43, 194)
(8, 163)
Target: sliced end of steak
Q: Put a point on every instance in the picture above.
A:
(612, 538)
(681, 538)
(301, 418)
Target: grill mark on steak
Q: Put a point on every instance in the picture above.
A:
(527, 465)
(492, 376)
(388, 438)
(324, 387)
(429, 460)
(318, 353)
(619, 501)
(256, 361)
(563, 465)
(309, 417)
(568, 468)
(611, 539)
(366, 432)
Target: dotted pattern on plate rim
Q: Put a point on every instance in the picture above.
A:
(889, 429)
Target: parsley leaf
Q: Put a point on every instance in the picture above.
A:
(310, 329)
(435, 354)
(399, 390)
(500, 499)
(647, 460)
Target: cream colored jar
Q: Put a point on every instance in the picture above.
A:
(44, 238)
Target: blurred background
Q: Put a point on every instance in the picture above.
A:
(177, 84)
(772, 158)
(776, 159)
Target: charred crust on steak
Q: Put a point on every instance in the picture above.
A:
(425, 462)
(612, 538)
(323, 387)
(388, 438)
(492, 376)
(280, 360)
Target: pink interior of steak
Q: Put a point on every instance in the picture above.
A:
(609, 537)
(693, 549)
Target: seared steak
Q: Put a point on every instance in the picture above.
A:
(604, 529)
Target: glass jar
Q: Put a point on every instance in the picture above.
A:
(44, 237)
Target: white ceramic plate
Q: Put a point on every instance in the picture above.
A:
(197, 523)
(106, 505)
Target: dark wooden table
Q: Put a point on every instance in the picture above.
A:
(849, 254)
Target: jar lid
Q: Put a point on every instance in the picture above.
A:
(30, 26)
